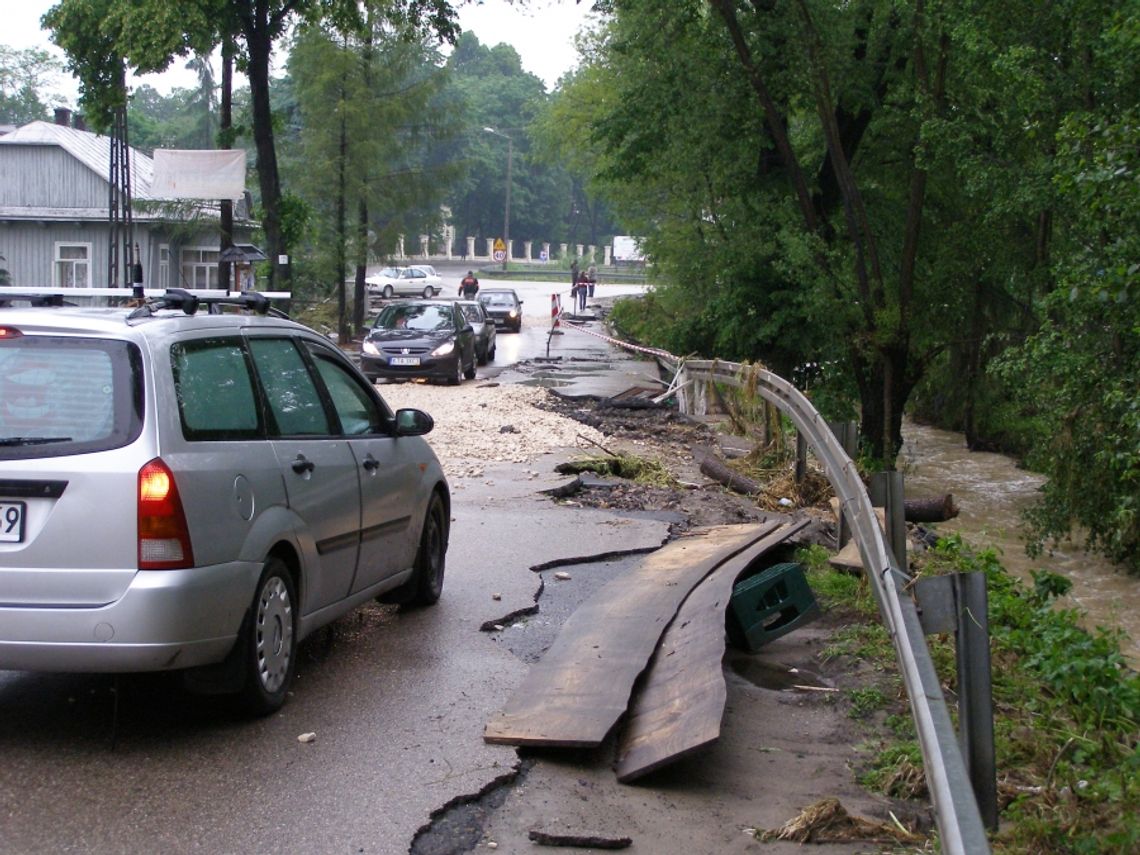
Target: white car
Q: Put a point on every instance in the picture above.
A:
(418, 280)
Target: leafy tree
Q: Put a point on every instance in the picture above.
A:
(1078, 375)
(860, 170)
(101, 36)
(24, 77)
(367, 130)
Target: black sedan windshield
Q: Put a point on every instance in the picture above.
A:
(426, 318)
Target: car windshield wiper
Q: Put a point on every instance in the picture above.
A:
(32, 440)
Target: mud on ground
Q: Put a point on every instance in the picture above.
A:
(661, 434)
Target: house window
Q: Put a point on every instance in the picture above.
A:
(72, 268)
(200, 267)
(164, 265)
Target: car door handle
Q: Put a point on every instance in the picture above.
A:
(371, 463)
(303, 464)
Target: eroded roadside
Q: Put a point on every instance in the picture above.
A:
(786, 741)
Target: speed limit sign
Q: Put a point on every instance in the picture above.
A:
(500, 254)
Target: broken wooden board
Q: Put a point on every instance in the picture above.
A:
(681, 704)
(573, 696)
(848, 558)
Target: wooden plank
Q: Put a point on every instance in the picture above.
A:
(573, 696)
(680, 706)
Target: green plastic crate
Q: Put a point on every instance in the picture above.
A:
(770, 604)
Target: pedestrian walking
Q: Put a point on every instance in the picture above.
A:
(582, 287)
(469, 286)
(591, 279)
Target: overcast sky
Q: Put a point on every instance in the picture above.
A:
(542, 33)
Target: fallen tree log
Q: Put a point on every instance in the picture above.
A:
(712, 466)
(937, 509)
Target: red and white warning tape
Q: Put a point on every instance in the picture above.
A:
(652, 351)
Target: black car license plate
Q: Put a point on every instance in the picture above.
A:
(12, 516)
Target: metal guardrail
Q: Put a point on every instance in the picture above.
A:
(956, 808)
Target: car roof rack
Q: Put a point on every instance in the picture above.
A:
(7, 298)
(179, 298)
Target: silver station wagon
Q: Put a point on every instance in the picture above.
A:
(196, 484)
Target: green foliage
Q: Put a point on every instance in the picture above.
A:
(1089, 440)
(24, 78)
(865, 700)
(896, 771)
(1070, 715)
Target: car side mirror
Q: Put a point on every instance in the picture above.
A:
(412, 422)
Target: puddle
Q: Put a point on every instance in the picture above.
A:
(773, 675)
(547, 382)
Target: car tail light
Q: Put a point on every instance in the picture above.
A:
(164, 538)
(9, 332)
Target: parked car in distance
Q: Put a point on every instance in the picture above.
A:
(503, 306)
(484, 329)
(419, 339)
(419, 280)
(199, 491)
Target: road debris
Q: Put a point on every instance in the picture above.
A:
(827, 821)
(584, 841)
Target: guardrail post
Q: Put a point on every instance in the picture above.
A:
(958, 603)
(801, 457)
(886, 492)
(975, 705)
(847, 434)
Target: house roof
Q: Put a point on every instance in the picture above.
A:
(90, 149)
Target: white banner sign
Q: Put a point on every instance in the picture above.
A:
(198, 174)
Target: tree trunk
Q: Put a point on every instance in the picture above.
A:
(225, 125)
(712, 466)
(259, 45)
(884, 386)
(341, 250)
(937, 509)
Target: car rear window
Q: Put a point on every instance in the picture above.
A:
(62, 395)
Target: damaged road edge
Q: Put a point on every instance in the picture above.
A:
(458, 826)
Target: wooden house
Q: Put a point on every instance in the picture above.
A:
(55, 228)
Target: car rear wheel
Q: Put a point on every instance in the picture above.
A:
(429, 292)
(480, 357)
(270, 640)
(491, 354)
(469, 373)
(458, 377)
(388, 292)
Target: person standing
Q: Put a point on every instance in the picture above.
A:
(469, 286)
(591, 279)
(581, 287)
(573, 275)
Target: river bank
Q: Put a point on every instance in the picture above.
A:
(992, 492)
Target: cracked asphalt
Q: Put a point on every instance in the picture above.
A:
(397, 702)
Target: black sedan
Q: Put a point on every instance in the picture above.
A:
(503, 306)
(413, 339)
(484, 329)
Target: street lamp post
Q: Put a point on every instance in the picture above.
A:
(507, 203)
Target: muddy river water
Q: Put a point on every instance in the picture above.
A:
(991, 492)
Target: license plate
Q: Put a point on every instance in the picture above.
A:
(12, 516)
(404, 360)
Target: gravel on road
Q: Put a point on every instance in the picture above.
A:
(483, 423)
